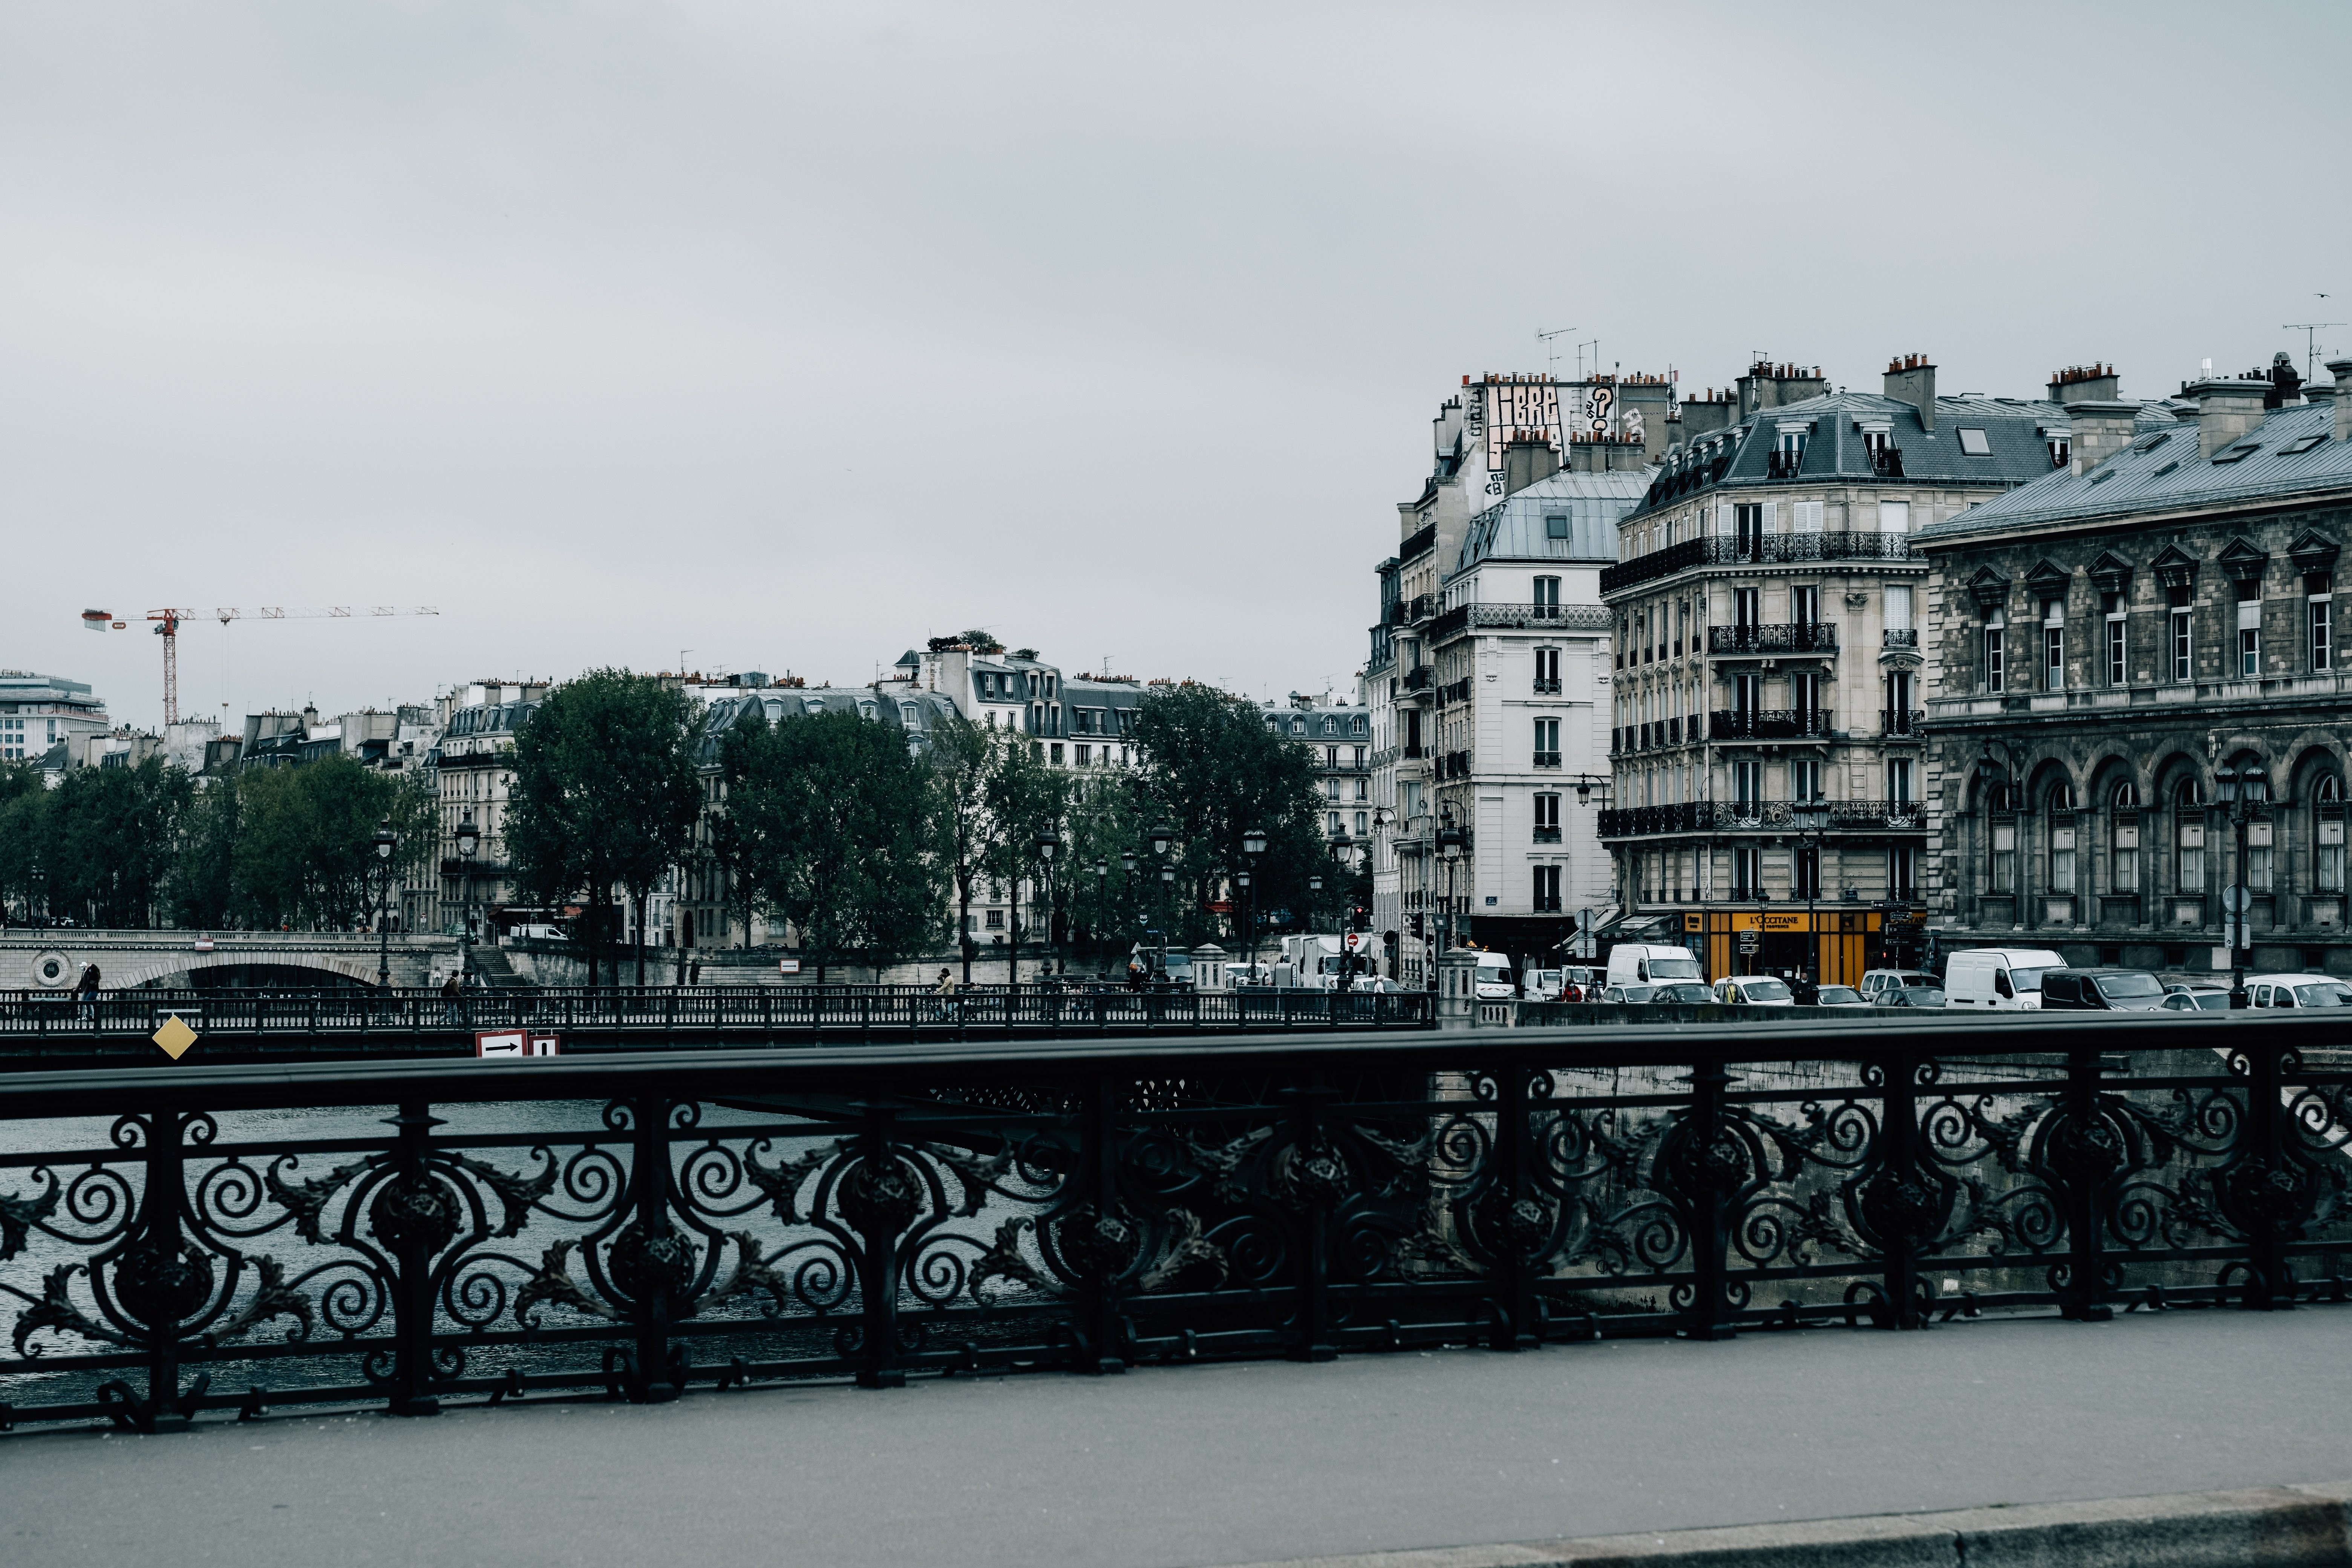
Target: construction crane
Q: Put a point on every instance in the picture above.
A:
(167, 626)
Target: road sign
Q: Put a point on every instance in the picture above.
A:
(175, 1034)
(788, 966)
(510, 1043)
(1352, 939)
(1750, 941)
(2237, 899)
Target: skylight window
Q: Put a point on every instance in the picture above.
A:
(1554, 527)
(2238, 453)
(1973, 443)
(2153, 442)
(2305, 445)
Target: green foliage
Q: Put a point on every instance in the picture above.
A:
(605, 794)
(108, 839)
(838, 828)
(23, 870)
(963, 831)
(1216, 772)
(1023, 797)
(300, 843)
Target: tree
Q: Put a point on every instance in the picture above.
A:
(300, 842)
(1108, 815)
(604, 794)
(108, 841)
(203, 873)
(1023, 798)
(24, 800)
(842, 832)
(1216, 771)
(961, 755)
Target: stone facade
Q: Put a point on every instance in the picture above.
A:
(2104, 645)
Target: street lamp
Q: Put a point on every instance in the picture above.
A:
(1811, 817)
(1167, 907)
(1449, 849)
(1047, 842)
(469, 840)
(1163, 835)
(1102, 911)
(2241, 791)
(1253, 845)
(384, 844)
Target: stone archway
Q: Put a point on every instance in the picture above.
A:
(151, 969)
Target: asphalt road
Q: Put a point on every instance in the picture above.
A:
(1229, 1464)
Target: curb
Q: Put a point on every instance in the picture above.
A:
(2259, 1527)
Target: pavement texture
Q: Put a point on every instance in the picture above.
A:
(1188, 1467)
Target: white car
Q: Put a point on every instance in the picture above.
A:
(1877, 980)
(1755, 990)
(2297, 991)
(1541, 985)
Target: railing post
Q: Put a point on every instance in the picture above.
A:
(2264, 1177)
(651, 1261)
(1316, 1169)
(1106, 1253)
(1896, 1201)
(415, 1216)
(160, 1260)
(2086, 1154)
(1514, 1305)
(880, 1196)
(1709, 1160)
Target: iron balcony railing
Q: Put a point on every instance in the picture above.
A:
(1780, 465)
(1756, 815)
(1453, 765)
(1419, 677)
(1900, 638)
(1416, 543)
(1903, 723)
(1887, 462)
(1767, 723)
(1453, 691)
(1753, 549)
(1544, 687)
(40, 1027)
(1546, 759)
(1800, 637)
(649, 1225)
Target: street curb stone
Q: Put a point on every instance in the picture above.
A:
(2260, 1527)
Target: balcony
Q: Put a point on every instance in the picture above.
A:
(1547, 836)
(1767, 550)
(1419, 677)
(1902, 724)
(1546, 759)
(1417, 542)
(1887, 462)
(1412, 749)
(1546, 687)
(1798, 637)
(1453, 765)
(1778, 465)
(1769, 725)
(1757, 816)
(1900, 639)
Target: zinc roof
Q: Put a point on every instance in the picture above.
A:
(1517, 528)
(2163, 469)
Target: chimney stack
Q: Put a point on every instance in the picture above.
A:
(2341, 369)
(1911, 379)
(2227, 409)
(1527, 457)
(2100, 430)
(2086, 384)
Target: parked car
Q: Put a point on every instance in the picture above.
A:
(1756, 990)
(1628, 994)
(1911, 996)
(2195, 995)
(1999, 979)
(2101, 991)
(1839, 996)
(2296, 990)
(1877, 980)
(1682, 991)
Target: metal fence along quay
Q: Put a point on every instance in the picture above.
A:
(118, 1025)
(183, 1238)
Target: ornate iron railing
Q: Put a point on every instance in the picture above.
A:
(1796, 637)
(38, 1028)
(178, 1240)
(1776, 815)
(1767, 723)
(1753, 549)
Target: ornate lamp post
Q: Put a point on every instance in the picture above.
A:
(1102, 911)
(1167, 892)
(1811, 816)
(385, 842)
(1449, 849)
(1048, 841)
(2241, 792)
(469, 840)
(1253, 845)
(1127, 864)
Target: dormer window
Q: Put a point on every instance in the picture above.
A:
(1974, 443)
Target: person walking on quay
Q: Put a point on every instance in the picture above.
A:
(945, 990)
(451, 993)
(85, 992)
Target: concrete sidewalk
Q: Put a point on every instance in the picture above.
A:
(1246, 1463)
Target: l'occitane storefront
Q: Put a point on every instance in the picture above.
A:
(1833, 946)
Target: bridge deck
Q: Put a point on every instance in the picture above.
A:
(1233, 1463)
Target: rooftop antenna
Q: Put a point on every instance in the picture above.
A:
(1551, 362)
(1595, 344)
(2310, 331)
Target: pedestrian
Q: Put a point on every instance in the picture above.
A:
(86, 991)
(945, 990)
(452, 993)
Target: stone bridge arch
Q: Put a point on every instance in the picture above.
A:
(146, 969)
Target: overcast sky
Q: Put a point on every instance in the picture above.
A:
(792, 335)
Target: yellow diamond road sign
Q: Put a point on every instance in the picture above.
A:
(174, 1037)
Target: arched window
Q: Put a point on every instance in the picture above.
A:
(2327, 835)
(2062, 838)
(2188, 836)
(2123, 841)
(2000, 810)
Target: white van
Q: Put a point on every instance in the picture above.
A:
(1495, 981)
(1997, 979)
(1650, 963)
